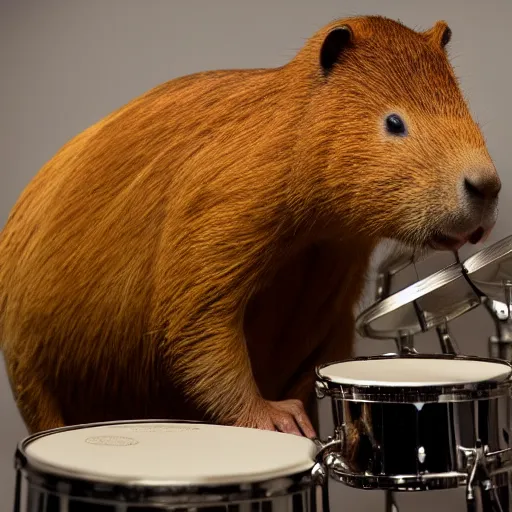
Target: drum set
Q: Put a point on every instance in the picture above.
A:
(403, 422)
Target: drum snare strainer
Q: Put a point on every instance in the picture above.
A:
(417, 422)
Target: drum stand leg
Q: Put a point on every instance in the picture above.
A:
(390, 503)
(17, 495)
(326, 507)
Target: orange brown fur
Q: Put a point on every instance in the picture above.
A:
(202, 248)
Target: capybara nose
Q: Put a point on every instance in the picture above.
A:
(483, 185)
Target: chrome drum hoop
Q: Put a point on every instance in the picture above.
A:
(400, 483)
(416, 483)
(41, 479)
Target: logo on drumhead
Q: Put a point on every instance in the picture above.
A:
(112, 441)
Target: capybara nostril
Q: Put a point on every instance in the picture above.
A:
(485, 186)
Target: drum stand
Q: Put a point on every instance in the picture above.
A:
(500, 346)
(387, 270)
(405, 342)
(481, 494)
(390, 504)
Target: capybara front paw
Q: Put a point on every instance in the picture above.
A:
(287, 416)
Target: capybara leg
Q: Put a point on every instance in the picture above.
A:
(37, 406)
(337, 347)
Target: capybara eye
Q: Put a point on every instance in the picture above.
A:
(395, 125)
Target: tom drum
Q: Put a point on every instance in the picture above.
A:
(158, 465)
(417, 422)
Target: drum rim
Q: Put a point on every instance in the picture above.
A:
(407, 296)
(491, 388)
(414, 482)
(54, 480)
(421, 481)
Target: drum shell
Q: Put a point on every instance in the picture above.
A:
(409, 439)
(66, 497)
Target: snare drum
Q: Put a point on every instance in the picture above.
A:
(417, 422)
(159, 465)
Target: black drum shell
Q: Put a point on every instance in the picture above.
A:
(414, 438)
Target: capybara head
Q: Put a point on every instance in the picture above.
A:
(403, 156)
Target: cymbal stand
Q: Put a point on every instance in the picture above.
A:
(405, 343)
(387, 271)
(500, 345)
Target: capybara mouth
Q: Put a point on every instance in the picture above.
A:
(443, 242)
(476, 236)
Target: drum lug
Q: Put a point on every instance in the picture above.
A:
(318, 474)
(421, 455)
(321, 389)
(329, 452)
(335, 461)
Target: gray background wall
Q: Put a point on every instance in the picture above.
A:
(64, 65)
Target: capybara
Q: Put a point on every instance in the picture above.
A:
(199, 251)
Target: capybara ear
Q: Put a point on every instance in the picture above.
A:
(439, 35)
(333, 46)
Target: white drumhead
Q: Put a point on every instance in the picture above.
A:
(172, 453)
(412, 372)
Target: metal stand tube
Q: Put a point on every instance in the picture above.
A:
(448, 344)
(391, 505)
